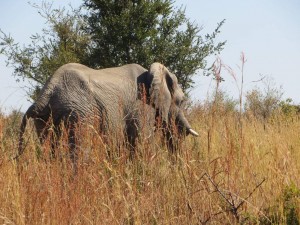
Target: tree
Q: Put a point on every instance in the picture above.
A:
(144, 31)
(62, 42)
(105, 33)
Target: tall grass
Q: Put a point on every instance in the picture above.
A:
(212, 180)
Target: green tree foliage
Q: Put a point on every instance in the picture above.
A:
(62, 42)
(106, 33)
(145, 31)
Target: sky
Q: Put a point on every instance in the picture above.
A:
(266, 31)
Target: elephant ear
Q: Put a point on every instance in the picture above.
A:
(162, 88)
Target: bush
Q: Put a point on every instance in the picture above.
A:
(287, 210)
(261, 103)
(288, 108)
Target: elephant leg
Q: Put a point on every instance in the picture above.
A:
(131, 135)
(73, 151)
(42, 129)
(55, 136)
(171, 139)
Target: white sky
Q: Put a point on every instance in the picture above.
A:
(267, 31)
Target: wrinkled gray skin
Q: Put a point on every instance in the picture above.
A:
(116, 95)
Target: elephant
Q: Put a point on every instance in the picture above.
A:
(76, 92)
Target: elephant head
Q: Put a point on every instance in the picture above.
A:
(167, 98)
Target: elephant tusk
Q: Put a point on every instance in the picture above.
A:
(194, 133)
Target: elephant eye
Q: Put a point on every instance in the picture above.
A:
(179, 102)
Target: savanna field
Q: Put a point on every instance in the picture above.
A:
(241, 170)
(244, 166)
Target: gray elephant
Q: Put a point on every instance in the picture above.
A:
(75, 93)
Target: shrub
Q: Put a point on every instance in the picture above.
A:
(262, 102)
(288, 108)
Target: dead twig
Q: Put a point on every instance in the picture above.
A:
(231, 198)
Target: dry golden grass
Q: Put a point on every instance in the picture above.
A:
(237, 172)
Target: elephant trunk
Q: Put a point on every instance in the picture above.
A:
(183, 124)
